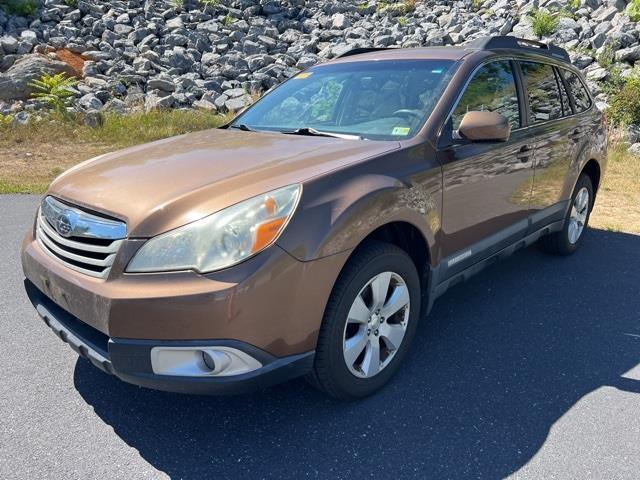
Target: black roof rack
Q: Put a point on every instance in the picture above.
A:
(490, 43)
(360, 51)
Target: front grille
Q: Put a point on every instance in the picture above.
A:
(80, 251)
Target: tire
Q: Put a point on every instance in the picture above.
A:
(353, 296)
(564, 241)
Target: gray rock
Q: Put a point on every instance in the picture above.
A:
(9, 44)
(21, 118)
(93, 119)
(116, 105)
(631, 54)
(154, 102)
(632, 134)
(90, 102)
(14, 83)
(635, 149)
(175, 23)
(163, 83)
(339, 21)
(205, 104)
(236, 104)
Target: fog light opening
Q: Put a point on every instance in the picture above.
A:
(201, 361)
(216, 361)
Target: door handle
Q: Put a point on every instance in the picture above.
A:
(525, 153)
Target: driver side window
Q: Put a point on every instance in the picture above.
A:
(493, 89)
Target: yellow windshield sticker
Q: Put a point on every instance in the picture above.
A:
(303, 75)
(401, 131)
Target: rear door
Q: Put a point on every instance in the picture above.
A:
(486, 185)
(553, 128)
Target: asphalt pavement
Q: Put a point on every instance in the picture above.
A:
(529, 370)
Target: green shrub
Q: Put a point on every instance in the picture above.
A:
(228, 20)
(54, 89)
(633, 10)
(575, 4)
(606, 57)
(22, 8)
(5, 121)
(179, 4)
(477, 4)
(402, 21)
(393, 8)
(209, 3)
(624, 104)
(71, 3)
(544, 23)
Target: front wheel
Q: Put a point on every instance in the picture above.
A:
(369, 322)
(567, 240)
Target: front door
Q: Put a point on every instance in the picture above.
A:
(486, 185)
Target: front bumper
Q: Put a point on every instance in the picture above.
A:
(271, 301)
(130, 360)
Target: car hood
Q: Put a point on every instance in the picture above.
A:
(162, 185)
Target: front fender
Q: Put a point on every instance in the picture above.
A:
(336, 215)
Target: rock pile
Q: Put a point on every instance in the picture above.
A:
(213, 54)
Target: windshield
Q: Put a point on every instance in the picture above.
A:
(377, 100)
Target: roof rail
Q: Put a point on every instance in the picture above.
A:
(489, 43)
(360, 51)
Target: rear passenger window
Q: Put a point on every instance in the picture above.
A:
(492, 89)
(566, 104)
(576, 87)
(544, 97)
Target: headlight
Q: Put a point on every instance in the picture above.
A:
(222, 239)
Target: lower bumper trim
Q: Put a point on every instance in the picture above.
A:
(130, 360)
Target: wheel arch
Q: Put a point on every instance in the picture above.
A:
(594, 172)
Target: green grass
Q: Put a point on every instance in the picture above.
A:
(617, 207)
(125, 130)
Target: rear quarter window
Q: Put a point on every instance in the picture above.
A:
(581, 98)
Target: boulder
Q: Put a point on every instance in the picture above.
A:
(14, 83)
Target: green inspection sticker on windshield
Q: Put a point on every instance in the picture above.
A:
(401, 131)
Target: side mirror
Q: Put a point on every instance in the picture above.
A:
(484, 126)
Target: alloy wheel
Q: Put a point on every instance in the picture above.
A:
(578, 215)
(376, 324)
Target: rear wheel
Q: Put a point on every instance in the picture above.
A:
(567, 241)
(369, 322)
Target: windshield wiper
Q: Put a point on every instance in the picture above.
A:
(243, 127)
(317, 133)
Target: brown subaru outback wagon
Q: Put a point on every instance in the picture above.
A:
(310, 235)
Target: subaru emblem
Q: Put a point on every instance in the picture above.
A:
(63, 225)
